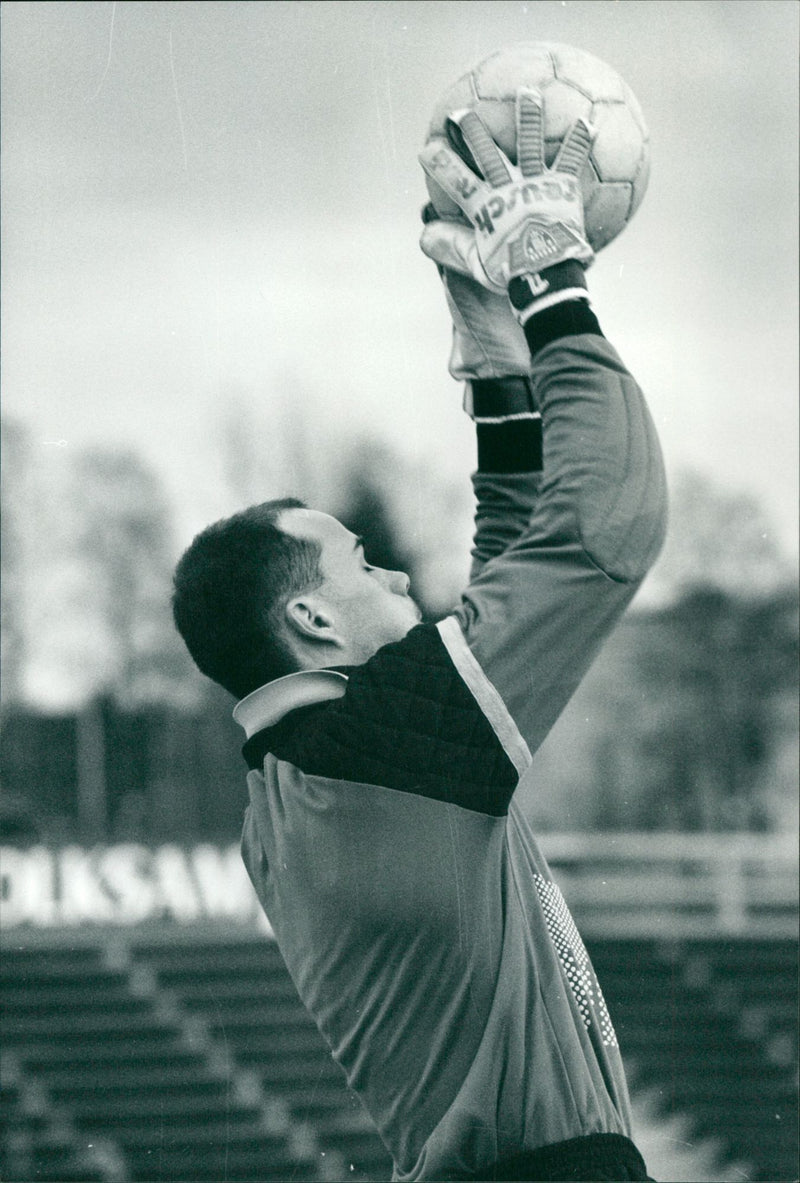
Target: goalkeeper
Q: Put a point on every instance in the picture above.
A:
(390, 761)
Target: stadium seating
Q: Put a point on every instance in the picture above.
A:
(711, 1024)
(245, 996)
(157, 1059)
(122, 1069)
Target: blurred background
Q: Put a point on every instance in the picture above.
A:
(212, 295)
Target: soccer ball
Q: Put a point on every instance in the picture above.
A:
(573, 84)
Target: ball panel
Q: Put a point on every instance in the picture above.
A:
(632, 103)
(526, 64)
(501, 120)
(606, 211)
(587, 73)
(563, 104)
(617, 150)
(640, 184)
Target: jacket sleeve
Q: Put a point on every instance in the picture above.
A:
(504, 505)
(535, 614)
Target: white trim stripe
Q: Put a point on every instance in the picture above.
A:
(485, 694)
(548, 301)
(491, 419)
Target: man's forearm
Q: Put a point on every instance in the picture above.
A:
(504, 504)
(508, 426)
(509, 430)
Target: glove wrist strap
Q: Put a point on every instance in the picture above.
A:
(530, 294)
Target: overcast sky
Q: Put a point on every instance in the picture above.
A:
(211, 202)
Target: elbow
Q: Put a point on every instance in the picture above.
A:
(624, 537)
(660, 522)
(647, 534)
(628, 559)
(622, 512)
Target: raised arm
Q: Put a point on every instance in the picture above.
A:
(536, 615)
(537, 610)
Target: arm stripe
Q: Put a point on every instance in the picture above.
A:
(506, 418)
(485, 694)
(550, 301)
(565, 319)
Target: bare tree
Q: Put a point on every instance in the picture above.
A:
(14, 477)
(718, 538)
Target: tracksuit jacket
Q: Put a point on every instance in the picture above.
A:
(388, 834)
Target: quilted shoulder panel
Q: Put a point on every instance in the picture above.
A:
(407, 722)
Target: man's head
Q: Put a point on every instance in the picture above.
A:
(280, 588)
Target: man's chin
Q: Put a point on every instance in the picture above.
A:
(416, 612)
(410, 620)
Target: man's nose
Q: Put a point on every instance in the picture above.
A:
(397, 582)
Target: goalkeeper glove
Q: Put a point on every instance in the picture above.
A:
(525, 219)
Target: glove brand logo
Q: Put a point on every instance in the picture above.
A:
(531, 192)
(537, 244)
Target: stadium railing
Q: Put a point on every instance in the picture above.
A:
(678, 885)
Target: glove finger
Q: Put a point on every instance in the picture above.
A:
(483, 149)
(429, 213)
(574, 152)
(453, 246)
(455, 138)
(530, 132)
(450, 173)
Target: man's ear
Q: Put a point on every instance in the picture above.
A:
(311, 619)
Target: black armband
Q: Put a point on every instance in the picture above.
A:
(508, 424)
(560, 320)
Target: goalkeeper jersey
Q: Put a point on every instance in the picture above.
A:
(388, 834)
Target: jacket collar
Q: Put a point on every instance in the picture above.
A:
(266, 706)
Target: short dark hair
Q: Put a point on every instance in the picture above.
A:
(229, 590)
